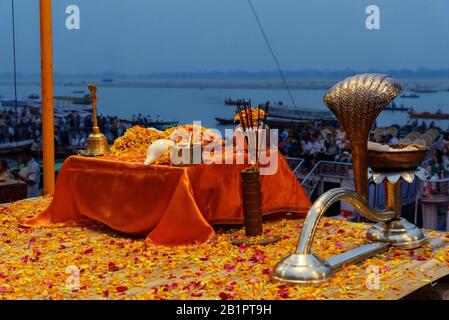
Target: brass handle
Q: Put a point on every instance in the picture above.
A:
(324, 202)
(93, 101)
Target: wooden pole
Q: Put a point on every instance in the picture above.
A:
(48, 144)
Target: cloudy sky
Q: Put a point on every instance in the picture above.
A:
(144, 36)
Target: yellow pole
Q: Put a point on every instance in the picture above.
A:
(48, 144)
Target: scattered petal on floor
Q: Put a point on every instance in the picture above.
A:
(94, 262)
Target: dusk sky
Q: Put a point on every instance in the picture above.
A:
(141, 36)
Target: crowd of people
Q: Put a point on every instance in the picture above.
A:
(314, 143)
(438, 166)
(23, 125)
(71, 129)
(318, 142)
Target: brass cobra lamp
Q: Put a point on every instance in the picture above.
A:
(97, 144)
(356, 102)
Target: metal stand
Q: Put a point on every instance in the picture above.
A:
(398, 232)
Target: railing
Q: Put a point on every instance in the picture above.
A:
(436, 191)
(435, 188)
(341, 172)
(295, 164)
(325, 170)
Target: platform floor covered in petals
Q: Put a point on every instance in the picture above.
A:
(42, 263)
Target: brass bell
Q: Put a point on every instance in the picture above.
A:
(97, 144)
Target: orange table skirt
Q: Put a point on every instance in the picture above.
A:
(171, 205)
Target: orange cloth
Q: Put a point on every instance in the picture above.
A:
(171, 205)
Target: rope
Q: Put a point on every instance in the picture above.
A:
(272, 53)
(14, 60)
(14, 66)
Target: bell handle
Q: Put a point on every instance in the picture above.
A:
(93, 100)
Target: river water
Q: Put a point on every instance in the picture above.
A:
(186, 105)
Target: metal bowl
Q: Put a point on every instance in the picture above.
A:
(395, 161)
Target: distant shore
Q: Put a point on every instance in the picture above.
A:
(319, 84)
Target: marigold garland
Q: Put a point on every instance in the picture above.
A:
(257, 113)
(133, 145)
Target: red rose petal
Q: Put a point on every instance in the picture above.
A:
(225, 296)
(112, 267)
(229, 267)
(196, 294)
(121, 288)
(266, 271)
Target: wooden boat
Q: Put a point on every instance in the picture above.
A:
(428, 115)
(424, 90)
(272, 122)
(411, 95)
(162, 125)
(224, 120)
(60, 153)
(230, 102)
(285, 112)
(14, 147)
(394, 108)
(75, 100)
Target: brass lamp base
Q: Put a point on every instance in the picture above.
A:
(97, 145)
(399, 233)
(299, 268)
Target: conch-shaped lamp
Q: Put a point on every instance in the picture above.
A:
(356, 102)
(97, 144)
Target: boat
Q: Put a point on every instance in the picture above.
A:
(424, 90)
(162, 125)
(286, 123)
(12, 102)
(282, 111)
(428, 115)
(75, 100)
(13, 147)
(411, 95)
(231, 102)
(33, 96)
(397, 109)
(282, 115)
(78, 91)
(60, 153)
(394, 107)
(224, 120)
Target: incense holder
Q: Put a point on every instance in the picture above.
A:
(252, 211)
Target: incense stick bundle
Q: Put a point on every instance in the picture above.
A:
(250, 122)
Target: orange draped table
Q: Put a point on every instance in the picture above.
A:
(171, 205)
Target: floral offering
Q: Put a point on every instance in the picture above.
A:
(256, 115)
(136, 140)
